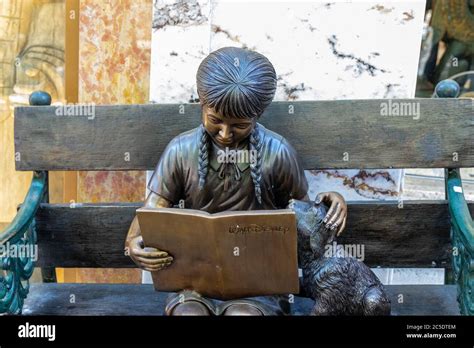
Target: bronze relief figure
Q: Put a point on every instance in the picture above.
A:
(235, 86)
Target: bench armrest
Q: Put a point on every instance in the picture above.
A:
(462, 236)
(20, 237)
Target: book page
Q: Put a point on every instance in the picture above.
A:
(226, 255)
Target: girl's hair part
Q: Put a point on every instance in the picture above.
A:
(236, 82)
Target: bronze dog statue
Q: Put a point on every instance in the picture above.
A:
(338, 285)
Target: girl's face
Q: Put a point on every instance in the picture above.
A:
(226, 132)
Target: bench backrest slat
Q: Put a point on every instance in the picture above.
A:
(326, 134)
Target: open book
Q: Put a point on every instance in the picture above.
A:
(227, 255)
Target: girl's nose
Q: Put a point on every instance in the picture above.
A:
(225, 132)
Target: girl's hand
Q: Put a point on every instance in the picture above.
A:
(337, 214)
(149, 259)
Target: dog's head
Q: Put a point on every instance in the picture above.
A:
(311, 229)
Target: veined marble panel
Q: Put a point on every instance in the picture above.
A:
(320, 50)
(180, 41)
(114, 68)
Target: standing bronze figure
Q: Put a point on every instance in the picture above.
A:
(235, 86)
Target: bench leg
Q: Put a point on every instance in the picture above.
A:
(19, 251)
(49, 275)
(16, 271)
(462, 236)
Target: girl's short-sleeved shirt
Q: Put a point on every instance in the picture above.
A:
(229, 184)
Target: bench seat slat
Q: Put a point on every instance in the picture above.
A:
(92, 235)
(107, 299)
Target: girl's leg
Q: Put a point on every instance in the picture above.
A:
(242, 309)
(190, 309)
(188, 303)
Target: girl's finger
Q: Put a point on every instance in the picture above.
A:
(338, 223)
(335, 215)
(343, 226)
(153, 269)
(330, 213)
(149, 254)
(153, 262)
(156, 267)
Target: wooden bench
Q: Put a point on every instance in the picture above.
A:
(132, 137)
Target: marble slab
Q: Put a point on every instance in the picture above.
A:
(180, 41)
(320, 50)
(114, 68)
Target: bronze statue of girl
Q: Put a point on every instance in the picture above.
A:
(235, 86)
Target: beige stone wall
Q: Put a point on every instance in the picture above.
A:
(114, 68)
(31, 58)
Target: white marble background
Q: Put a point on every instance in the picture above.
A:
(320, 50)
